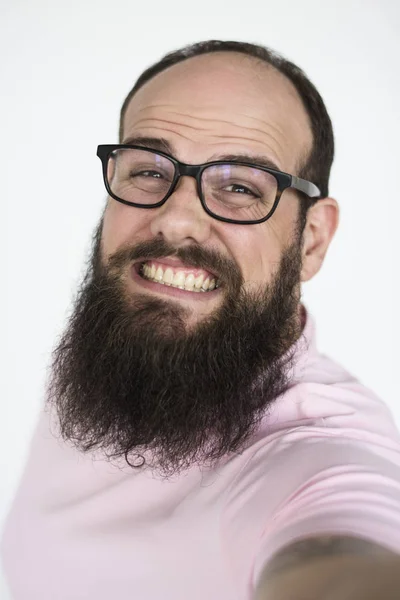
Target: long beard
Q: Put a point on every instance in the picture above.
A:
(130, 379)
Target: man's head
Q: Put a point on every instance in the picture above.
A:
(145, 365)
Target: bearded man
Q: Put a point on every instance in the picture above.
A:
(194, 443)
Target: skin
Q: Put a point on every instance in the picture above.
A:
(206, 107)
(331, 568)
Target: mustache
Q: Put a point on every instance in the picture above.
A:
(209, 259)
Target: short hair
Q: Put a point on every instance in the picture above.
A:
(316, 167)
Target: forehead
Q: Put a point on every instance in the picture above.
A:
(219, 102)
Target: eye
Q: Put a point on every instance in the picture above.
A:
(239, 188)
(148, 173)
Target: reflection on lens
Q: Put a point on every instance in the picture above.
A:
(139, 176)
(239, 192)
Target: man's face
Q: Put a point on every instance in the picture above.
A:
(187, 375)
(208, 107)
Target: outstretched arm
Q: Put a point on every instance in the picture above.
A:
(331, 568)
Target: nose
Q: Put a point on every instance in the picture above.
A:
(182, 217)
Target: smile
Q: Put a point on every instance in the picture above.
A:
(191, 280)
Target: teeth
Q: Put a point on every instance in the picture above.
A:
(178, 279)
(198, 282)
(189, 283)
(168, 276)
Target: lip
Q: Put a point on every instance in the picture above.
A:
(166, 290)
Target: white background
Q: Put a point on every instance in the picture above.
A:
(65, 70)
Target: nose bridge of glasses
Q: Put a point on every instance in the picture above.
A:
(184, 170)
(188, 170)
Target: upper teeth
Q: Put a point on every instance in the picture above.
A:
(179, 279)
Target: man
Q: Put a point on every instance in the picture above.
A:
(195, 443)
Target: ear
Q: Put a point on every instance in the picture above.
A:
(322, 222)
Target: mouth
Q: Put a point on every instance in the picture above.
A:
(174, 274)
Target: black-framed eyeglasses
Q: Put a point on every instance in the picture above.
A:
(230, 191)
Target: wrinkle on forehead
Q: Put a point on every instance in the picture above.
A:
(193, 118)
(198, 110)
(216, 133)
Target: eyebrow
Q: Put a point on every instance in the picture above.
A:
(162, 144)
(154, 143)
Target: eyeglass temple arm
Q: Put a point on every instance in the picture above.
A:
(311, 190)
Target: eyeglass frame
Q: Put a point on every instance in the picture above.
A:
(284, 180)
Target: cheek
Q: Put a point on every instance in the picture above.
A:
(122, 224)
(259, 252)
(255, 252)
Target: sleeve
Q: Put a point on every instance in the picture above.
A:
(343, 486)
